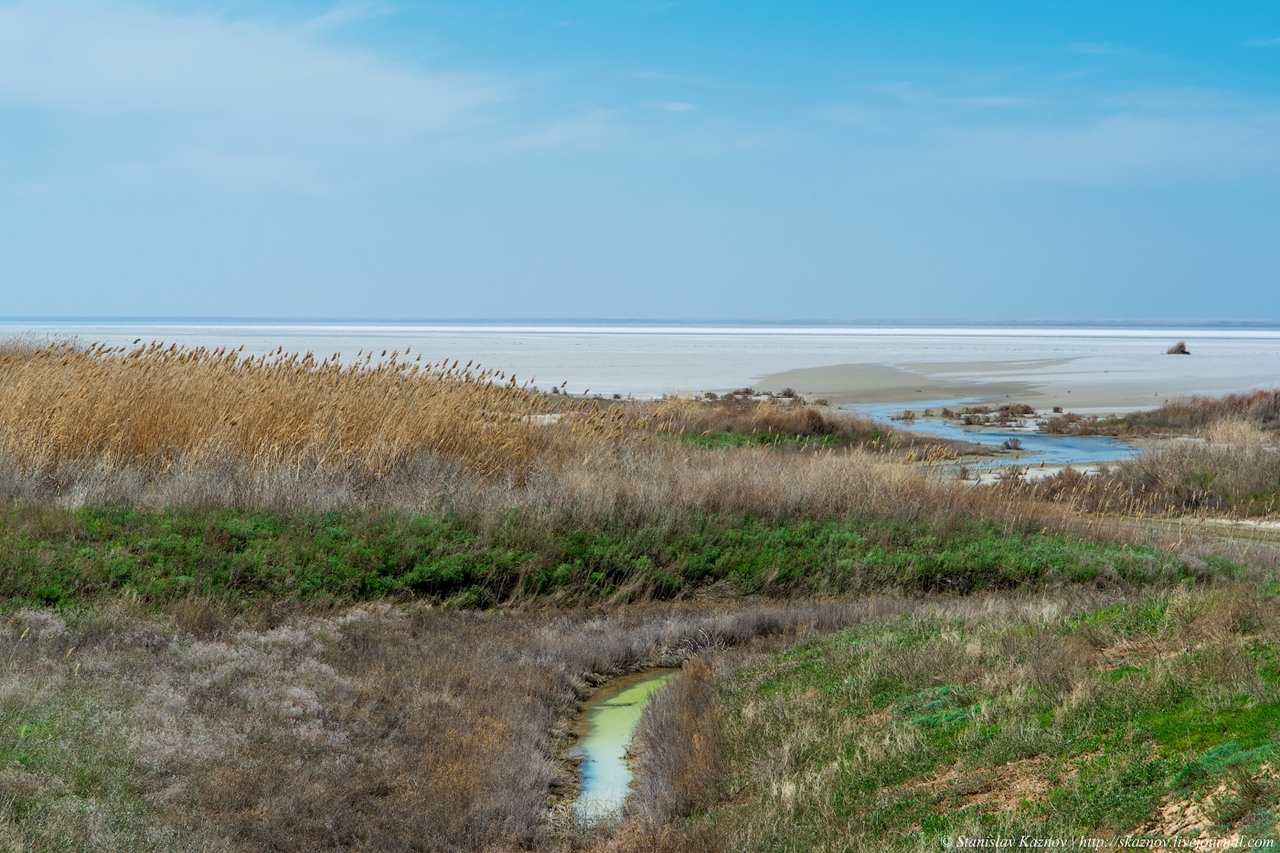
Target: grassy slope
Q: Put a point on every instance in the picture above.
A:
(51, 556)
(993, 724)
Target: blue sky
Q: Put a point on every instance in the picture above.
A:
(632, 159)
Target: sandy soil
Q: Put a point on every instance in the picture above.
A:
(875, 383)
(1084, 385)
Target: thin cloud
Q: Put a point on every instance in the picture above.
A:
(656, 8)
(1100, 48)
(848, 114)
(581, 131)
(348, 13)
(671, 106)
(1174, 134)
(1127, 146)
(158, 96)
(997, 102)
(909, 94)
(1275, 42)
(1182, 100)
(68, 58)
(678, 78)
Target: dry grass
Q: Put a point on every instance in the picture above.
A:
(1261, 408)
(372, 729)
(677, 748)
(164, 427)
(630, 479)
(1230, 461)
(169, 427)
(1178, 416)
(153, 407)
(769, 416)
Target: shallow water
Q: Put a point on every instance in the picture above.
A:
(608, 723)
(1036, 447)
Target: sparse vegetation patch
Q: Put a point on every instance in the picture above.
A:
(986, 719)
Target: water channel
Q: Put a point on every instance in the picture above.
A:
(605, 729)
(1055, 450)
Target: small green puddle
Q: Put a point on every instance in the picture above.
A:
(608, 722)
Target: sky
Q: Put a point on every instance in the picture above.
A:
(614, 159)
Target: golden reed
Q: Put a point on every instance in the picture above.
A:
(151, 405)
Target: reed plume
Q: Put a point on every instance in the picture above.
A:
(152, 405)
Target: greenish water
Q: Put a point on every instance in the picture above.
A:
(608, 722)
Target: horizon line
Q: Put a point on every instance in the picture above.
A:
(632, 321)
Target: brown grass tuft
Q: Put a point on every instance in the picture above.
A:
(677, 744)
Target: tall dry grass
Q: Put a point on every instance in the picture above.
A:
(159, 427)
(1261, 407)
(166, 426)
(1179, 415)
(154, 407)
(676, 748)
(1216, 472)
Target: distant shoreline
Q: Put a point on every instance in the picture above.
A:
(890, 329)
(900, 325)
(1082, 368)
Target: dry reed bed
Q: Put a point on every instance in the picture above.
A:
(628, 484)
(170, 427)
(162, 427)
(153, 407)
(642, 480)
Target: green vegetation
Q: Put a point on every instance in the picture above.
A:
(96, 776)
(1158, 717)
(787, 423)
(56, 557)
(1262, 502)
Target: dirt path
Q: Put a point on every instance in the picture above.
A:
(1191, 529)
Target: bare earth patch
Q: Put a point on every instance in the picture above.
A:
(992, 789)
